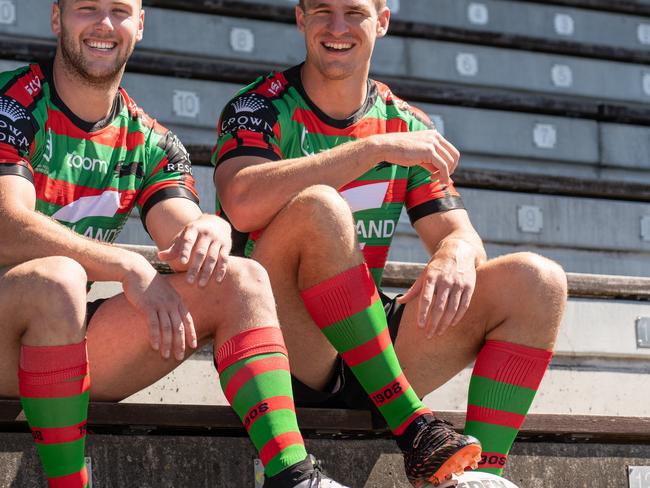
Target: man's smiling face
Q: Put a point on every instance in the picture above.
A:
(96, 37)
(340, 35)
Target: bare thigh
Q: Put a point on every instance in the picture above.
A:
(518, 298)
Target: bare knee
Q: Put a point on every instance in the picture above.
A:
(57, 298)
(321, 210)
(245, 290)
(537, 276)
(531, 291)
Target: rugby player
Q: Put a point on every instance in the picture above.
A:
(286, 144)
(76, 155)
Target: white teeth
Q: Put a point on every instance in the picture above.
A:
(338, 45)
(101, 45)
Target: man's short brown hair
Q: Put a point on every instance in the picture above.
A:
(378, 3)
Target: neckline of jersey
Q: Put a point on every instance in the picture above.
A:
(118, 104)
(294, 78)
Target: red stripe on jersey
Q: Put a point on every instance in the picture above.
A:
(253, 369)
(28, 86)
(111, 136)
(427, 192)
(376, 256)
(368, 350)
(365, 127)
(341, 296)
(271, 87)
(10, 155)
(358, 183)
(75, 480)
(513, 364)
(62, 193)
(496, 417)
(187, 183)
(59, 435)
(268, 405)
(395, 193)
(279, 443)
(229, 145)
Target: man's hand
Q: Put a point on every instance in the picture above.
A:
(425, 148)
(444, 288)
(201, 249)
(170, 323)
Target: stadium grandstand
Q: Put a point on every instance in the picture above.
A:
(548, 102)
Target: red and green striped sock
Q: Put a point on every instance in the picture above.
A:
(505, 379)
(254, 374)
(54, 385)
(348, 310)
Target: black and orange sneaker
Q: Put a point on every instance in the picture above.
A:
(434, 451)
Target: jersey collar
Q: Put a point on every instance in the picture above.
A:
(292, 75)
(118, 104)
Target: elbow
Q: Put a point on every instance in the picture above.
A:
(240, 205)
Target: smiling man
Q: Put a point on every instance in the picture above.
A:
(314, 166)
(76, 156)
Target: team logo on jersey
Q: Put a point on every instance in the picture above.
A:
(249, 112)
(177, 156)
(11, 109)
(15, 124)
(49, 146)
(305, 145)
(248, 103)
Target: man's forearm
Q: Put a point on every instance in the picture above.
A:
(26, 235)
(260, 191)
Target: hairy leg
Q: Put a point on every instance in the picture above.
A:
(519, 298)
(510, 328)
(121, 360)
(309, 240)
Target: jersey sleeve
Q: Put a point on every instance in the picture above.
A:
(248, 126)
(425, 195)
(18, 130)
(168, 172)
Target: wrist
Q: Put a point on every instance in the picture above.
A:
(458, 250)
(375, 150)
(130, 262)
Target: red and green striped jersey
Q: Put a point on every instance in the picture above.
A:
(275, 119)
(87, 176)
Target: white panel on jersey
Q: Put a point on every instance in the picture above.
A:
(104, 205)
(366, 197)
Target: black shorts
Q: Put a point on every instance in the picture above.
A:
(344, 391)
(91, 308)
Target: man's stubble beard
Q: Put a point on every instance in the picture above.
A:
(76, 66)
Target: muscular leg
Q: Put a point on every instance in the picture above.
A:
(311, 239)
(310, 251)
(239, 313)
(42, 308)
(519, 300)
(123, 362)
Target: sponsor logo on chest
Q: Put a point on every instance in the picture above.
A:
(85, 163)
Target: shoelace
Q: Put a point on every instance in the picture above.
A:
(436, 438)
(316, 477)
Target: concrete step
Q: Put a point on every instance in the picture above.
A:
(228, 462)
